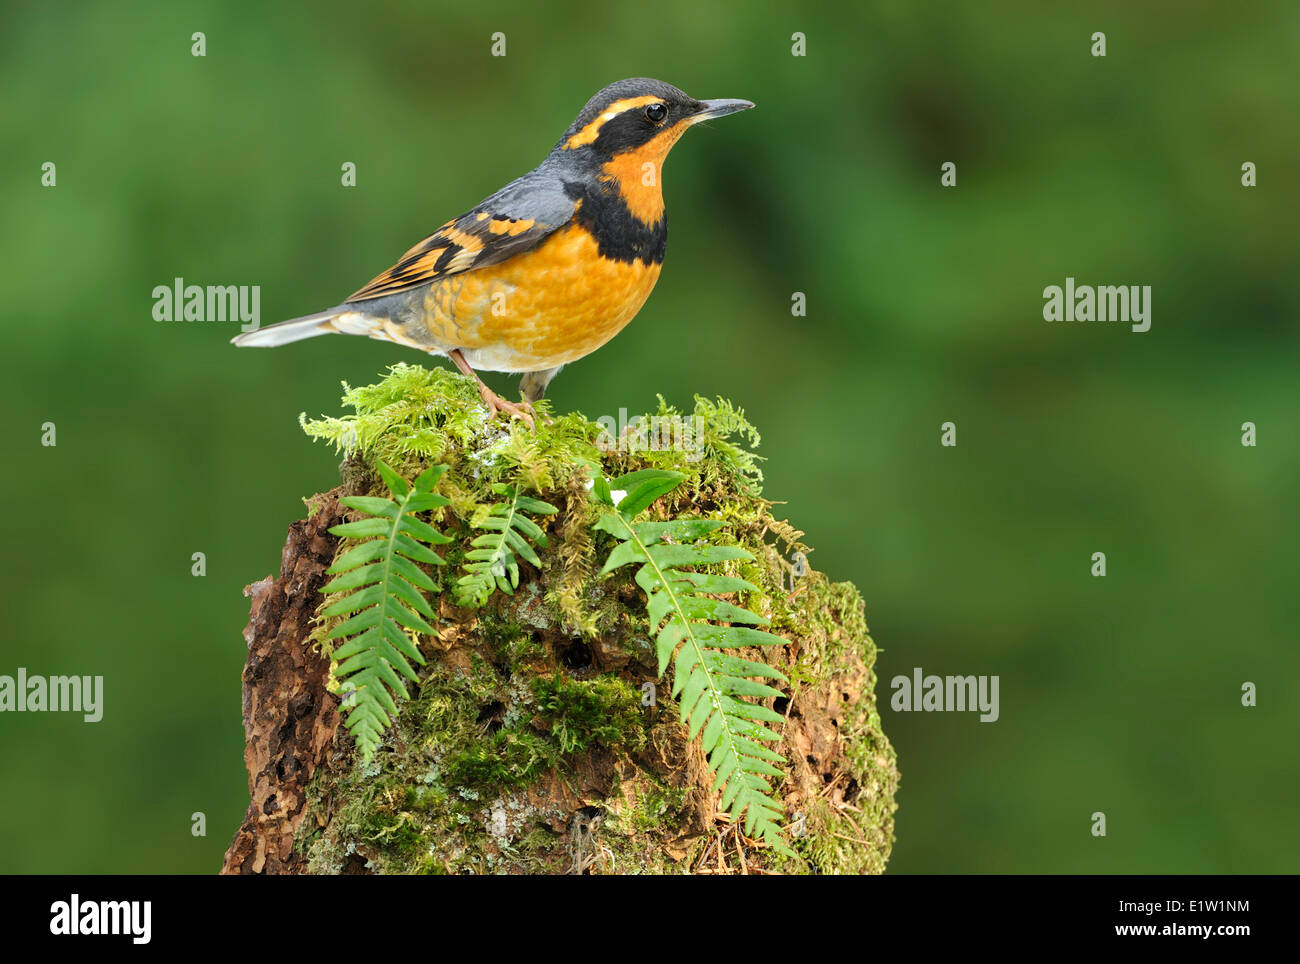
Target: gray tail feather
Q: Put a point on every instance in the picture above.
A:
(295, 329)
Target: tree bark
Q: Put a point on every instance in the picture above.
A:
(289, 715)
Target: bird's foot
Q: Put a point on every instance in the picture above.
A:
(495, 403)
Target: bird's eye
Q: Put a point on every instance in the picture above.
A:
(656, 112)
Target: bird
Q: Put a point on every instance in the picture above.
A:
(546, 270)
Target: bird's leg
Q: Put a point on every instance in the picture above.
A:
(533, 386)
(494, 402)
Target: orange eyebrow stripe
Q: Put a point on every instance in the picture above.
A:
(592, 130)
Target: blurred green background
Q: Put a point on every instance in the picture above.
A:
(1119, 694)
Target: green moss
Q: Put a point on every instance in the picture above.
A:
(581, 712)
(530, 709)
(653, 804)
(415, 416)
(397, 832)
(509, 758)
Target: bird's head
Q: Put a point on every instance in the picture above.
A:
(626, 131)
(631, 115)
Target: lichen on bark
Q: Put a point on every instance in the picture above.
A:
(539, 739)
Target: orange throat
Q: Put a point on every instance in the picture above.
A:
(639, 174)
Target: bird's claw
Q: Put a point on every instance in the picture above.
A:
(520, 410)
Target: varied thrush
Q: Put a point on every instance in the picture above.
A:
(548, 268)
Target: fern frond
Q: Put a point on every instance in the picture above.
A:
(491, 563)
(716, 687)
(385, 601)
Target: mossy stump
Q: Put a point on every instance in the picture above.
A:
(539, 738)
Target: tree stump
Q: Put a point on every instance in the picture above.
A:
(540, 738)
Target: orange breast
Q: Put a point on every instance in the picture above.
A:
(540, 309)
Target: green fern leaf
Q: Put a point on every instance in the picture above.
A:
(385, 600)
(715, 687)
(491, 562)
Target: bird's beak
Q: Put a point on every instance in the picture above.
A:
(718, 108)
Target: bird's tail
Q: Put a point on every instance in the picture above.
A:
(341, 320)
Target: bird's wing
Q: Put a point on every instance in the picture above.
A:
(516, 218)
